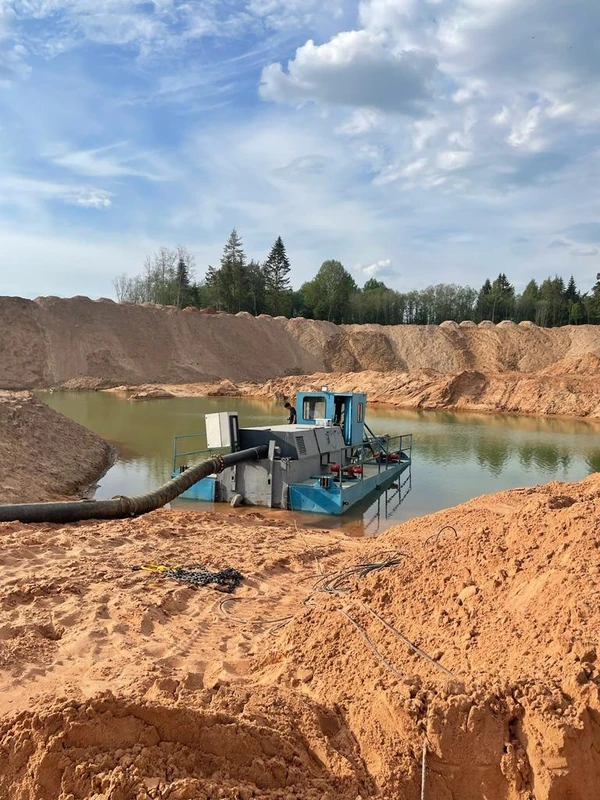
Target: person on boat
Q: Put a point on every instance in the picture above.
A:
(292, 412)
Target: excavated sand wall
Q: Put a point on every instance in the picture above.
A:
(44, 455)
(51, 341)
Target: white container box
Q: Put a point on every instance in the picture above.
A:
(323, 423)
(218, 429)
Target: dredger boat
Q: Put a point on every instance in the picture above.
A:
(326, 463)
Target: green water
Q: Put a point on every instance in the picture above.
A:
(456, 456)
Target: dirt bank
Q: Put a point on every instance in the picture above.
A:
(85, 343)
(43, 455)
(550, 393)
(275, 692)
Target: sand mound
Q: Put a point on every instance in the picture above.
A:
(43, 454)
(112, 748)
(151, 393)
(53, 341)
(506, 600)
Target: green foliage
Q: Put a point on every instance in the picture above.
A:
(166, 279)
(239, 285)
(328, 294)
(277, 289)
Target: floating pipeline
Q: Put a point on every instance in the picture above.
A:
(121, 507)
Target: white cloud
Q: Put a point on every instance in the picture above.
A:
(586, 250)
(15, 189)
(376, 269)
(355, 68)
(113, 161)
(453, 159)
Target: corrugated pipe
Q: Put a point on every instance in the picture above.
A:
(120, 507)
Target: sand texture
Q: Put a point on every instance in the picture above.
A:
(118, 686)
(547, 393)
(43, 455)
(53, 341)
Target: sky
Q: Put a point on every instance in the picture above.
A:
(417, 141)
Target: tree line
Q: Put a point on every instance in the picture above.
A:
(239, 284)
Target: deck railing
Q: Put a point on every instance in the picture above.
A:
(200, 453)
(385, 452)
(376, 450)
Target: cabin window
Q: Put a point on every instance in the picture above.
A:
(360, 413)
(314, 408)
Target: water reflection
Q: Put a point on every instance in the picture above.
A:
(455, 457)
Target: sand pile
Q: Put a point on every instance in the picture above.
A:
(507, 600)
(43, 454)
(117, 685)
(87, 344)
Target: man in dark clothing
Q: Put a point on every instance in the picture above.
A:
(292, 411)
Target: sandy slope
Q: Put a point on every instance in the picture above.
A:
(117, 686)
(552, 392)
(52, 341)
(43, 455)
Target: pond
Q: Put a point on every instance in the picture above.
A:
(455, 456)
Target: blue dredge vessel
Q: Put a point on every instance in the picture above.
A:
(326, 463)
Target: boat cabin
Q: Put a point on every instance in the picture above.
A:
(343, 409)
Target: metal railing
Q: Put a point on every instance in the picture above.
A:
(204, 452)
(376, 451)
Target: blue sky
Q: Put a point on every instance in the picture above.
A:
(417, 141)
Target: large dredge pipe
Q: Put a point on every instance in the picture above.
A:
(120, 507)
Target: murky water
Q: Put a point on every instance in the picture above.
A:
(455, 457)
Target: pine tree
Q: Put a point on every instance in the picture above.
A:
(571, 293)
(277, 283)
(484, 304)
(233, 278)
(183, 283)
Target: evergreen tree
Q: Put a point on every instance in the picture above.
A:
(233, 277)
(502, 298)
(277, 283)
(484, 304)
(183, 277)
(571, 293)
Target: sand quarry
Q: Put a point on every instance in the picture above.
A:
(465, 670)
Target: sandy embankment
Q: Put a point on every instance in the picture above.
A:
(117, 686)
(43, 455)
(566, 394)
(79, 343)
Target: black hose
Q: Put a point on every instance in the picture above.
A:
(120, 507)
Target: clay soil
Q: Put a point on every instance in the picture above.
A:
(119, 685)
